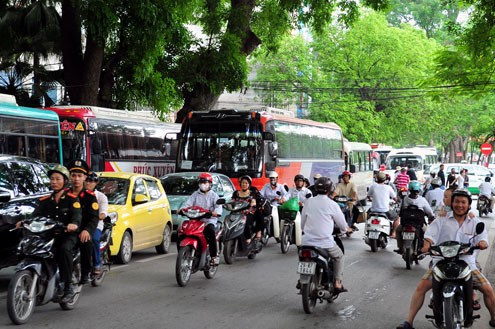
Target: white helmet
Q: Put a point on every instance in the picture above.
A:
(273, 174)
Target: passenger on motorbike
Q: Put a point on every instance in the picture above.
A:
(254, 216)
(380, 195)
(64, 206)
(277, 195)
(487, 190)
(413, 199)
(347, 188)
(299, 191)
(90, 184)
(205, 198)
(435, 195)
(456, 226)
(402, 179)
(319, 216)
(312, 188)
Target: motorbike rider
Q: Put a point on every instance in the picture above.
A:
(299, 191)
(269, 192)
(64, 206)
(251, 195)
(205, 198)
(90, 185)
(79, 170)
(312, 188)
(319, 216)
(348, 188)
(380, 195)
(456, 226)
(402, 179)
(488, 191)
(434, 196)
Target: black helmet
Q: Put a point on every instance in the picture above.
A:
(462, 192)
(324, 185)
(297, 177)
(487, 179)
(246, 177)
(92, 177)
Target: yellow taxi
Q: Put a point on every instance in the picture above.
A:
(142, 210)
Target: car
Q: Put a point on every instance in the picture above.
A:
(23, 181)
(476, 174)
(179, 186)
(142, 210)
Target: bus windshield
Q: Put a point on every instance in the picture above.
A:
(234, 148)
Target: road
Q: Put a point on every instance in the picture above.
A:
(256, 293)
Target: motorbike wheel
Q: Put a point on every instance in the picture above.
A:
(374, 245)
(285, 240)
(183, 266)
(98, 279)
(408, 257)
(19, 306)
(164, 247)
(76, 277)
(210, 273)
(309, 295)
(265, 236)
(229, 251)
(451, 314)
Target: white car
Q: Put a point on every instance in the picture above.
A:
(476, 173)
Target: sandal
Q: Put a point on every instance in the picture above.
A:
(337, 291)
(492, 323)
(213, 261)
(476, 305)
(405, 325)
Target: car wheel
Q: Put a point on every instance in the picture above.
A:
(164, 247)
(125, 251)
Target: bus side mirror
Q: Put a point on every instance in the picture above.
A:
(352, 168)
(268, 136)
(270, 166)
(273, 149)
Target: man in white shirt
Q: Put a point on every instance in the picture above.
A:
(380, 195)
(435, 196)
(487, 190)
(277, 195)
(319, 216)
(300, 191)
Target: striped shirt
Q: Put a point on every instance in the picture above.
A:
(402, 180)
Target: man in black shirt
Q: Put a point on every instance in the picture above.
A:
(441, 174)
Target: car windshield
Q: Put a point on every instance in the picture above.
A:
(180, 185)
(116, 189)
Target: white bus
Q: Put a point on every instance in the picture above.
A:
(420, 158)
(360, 162)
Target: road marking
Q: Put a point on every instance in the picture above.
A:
(154, 257)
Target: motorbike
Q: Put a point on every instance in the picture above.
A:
(483, 206)
(234, 240)
(290, 223)
(193, 254)
(402, 193)
(412, 220)
(452, 284)
(105, 243)
(37, 280)
(315, 268)
(343, 202)
(377, 230)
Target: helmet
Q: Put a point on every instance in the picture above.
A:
(78, 165)
(297, 177)
(414, 186)
(204, 176)
(348, 173)
(247, 178)
(436, 181)
(462, 192)
(487, 179)
(273, 174)
(324, 185)
(316, 176)
(92, 177)
(381, 177)
(61, 170)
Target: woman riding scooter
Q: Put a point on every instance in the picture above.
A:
(251, 194)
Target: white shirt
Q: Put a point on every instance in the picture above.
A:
(207, 201)
(487, 189)
(299, 194)
(460, 181)
(419, 202)
(380, 195)
(435, 199)
(318, 217)
(102, 207)
(271, 194)
(447, 229)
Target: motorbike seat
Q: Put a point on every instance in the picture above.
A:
(377, 214)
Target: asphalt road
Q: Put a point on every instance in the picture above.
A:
(256, 293)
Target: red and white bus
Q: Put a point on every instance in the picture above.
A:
(116, 140)
(255, 143)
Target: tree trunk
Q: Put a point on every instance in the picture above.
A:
(93, 59)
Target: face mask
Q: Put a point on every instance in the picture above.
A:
(204, 187)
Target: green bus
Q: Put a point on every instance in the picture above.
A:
(29, 132)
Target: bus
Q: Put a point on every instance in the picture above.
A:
(381, 151)
(116, 140)
(420, 158)
(254, 143)
(29, 132)
(360, 162)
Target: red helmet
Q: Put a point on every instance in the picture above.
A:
(206, 176)
(348, 173)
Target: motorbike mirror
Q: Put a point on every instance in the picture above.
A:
(480, 227)
(309, 195)
(278, 193)
(286, 188)
(221, 201)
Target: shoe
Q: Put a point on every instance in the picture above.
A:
(492, 323)
(68, 296)
(476, 305)
(355, 228)
(84, 279)
(298, 285)
(213, 261)
(405, 325)
(399, 251)
(337, 291)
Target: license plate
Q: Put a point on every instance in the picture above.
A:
(408, 235)
(373, 235)
(306, 268)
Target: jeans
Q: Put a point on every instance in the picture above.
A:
(96, 253)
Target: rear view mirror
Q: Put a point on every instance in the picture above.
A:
(480, 227)
(140, 198)
(220, 201)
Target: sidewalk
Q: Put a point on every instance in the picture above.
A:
(486, 258)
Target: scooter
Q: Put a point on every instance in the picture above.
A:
(234, 240)
(483, 206)
(290, 223)
(377, 230)
(412, 220)
(315, 268)
(342, 201)
(193, 254)
(105, 243)
(453, 284)
(37, 279)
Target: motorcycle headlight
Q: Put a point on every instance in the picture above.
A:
(449, 251)
(37, 227)
(113, 217)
